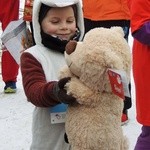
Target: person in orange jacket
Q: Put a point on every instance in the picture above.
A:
(9, 12)
(108, 13)
(140, 28)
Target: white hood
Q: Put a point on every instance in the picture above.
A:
(55, 3)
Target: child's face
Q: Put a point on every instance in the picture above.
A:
(60, 22)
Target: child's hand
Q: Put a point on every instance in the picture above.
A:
(61, 93)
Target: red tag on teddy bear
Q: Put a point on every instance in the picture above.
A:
(116, 83)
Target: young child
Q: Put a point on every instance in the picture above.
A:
(140, 28)
(55, 22)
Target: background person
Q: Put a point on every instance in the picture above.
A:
(9, 12)
(140, 28)
(108, 13)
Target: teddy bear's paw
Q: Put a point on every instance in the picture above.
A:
(65, 72)
(82, 93)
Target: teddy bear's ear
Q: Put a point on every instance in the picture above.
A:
(70, 47)
(119, 30)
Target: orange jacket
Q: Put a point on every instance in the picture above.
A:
(98, 10)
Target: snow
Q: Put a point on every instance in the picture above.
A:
(16, 117)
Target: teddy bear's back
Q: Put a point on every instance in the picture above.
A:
(94, 122)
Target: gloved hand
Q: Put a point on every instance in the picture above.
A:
(60, 92)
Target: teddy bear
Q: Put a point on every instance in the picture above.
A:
(94, 122)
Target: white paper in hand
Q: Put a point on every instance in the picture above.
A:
(12, 38)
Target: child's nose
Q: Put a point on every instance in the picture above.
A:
(64, 26)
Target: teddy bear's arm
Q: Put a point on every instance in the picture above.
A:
(82, 93)
(65, 72)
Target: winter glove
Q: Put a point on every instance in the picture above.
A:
(60, 92)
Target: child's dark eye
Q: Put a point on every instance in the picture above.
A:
(54, 22)
(70, 21)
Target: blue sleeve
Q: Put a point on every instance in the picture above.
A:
(143, 34)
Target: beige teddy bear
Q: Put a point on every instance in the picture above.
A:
(95, 123)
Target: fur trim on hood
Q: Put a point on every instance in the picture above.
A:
(55, 3)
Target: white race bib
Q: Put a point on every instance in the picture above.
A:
(58, 113)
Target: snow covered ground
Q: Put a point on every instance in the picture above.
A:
(16, 118)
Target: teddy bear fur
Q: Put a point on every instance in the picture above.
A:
(95, 122)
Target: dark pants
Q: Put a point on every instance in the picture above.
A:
(143, 142)
(125, 24)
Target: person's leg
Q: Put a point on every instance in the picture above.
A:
(126, 32)
(127, 101)
(9, 65)
(127, 105)
(143, 141)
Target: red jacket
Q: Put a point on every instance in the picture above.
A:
(140, 18)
